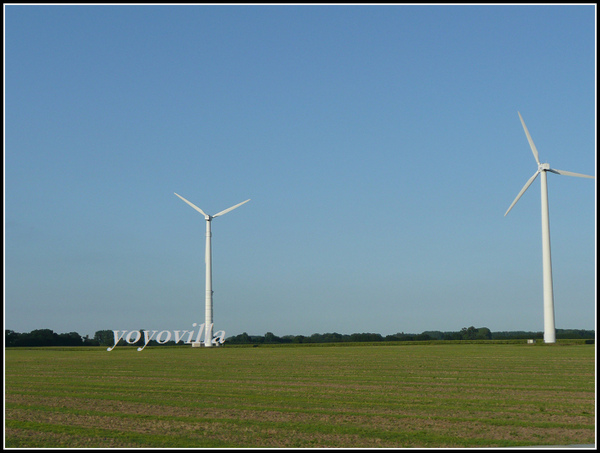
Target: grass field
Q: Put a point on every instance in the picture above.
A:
(467, 395)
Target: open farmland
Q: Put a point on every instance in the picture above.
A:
(429, 395)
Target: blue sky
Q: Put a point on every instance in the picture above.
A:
(380, 147)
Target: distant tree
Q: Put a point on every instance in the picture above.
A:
(287, 339)
(42, 337)
(69, 339)
(469, 333)
(87, 341)
(299, 339)
(10, 338)
(422, 337)
(316, 338)
(405, 336)
(334, 337)
(434, 334)
(483, 333)
(366, 337)
(245, 338)
(452, 336)
(104, 337)
(271, 338)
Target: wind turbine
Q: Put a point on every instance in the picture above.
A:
(549, 328)
(208, 260)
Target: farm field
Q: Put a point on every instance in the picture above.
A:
(430, 395)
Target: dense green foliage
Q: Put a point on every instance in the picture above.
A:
(466, 333)
(46, 337)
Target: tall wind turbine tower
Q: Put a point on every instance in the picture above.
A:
(208, 324)
(549, 326)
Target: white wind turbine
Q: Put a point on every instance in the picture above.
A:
(549, 328)
(208, 259)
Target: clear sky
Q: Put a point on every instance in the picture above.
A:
(380, 147)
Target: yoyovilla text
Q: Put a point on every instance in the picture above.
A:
(163, 336)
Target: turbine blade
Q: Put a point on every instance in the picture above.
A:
(525, 187)
(192, 205)
(531, 144)
(570, 173)
(231, 208)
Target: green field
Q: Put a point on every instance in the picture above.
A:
(429, 395)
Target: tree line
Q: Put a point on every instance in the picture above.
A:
(466, 333)
(46, 337)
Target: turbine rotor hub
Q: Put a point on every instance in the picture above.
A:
(543, 167)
